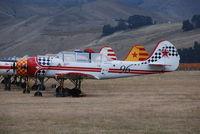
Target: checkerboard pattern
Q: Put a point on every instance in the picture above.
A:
(41, 72)
(158, 55)
(22, 67)
(44, 60)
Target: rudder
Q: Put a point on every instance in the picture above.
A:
(108, 51)
(164, 54)
(137, 53)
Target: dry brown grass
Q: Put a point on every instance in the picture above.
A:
(151, 104)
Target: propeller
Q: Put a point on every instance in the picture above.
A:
(14, 67)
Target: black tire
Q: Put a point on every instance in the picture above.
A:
(58, 89)
(28, 91)
(40, 94)
(75, 92)
(24, 91)
(3, 81)
(13, 82)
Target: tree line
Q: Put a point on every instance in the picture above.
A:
(191, 54)
(194, 23)
(132, 22)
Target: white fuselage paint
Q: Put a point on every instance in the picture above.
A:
(109, 69)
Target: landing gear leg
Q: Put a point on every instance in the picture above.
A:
(27, 89)
(40, 87)
(38, 93)
(19, 82)
(14, 80)
(76, 91)
(35, 86)
(60, 88)
(7, 82)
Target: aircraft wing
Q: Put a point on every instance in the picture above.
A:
(76, 75)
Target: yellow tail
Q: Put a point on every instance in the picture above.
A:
(137, 53)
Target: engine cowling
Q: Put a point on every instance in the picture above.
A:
(26, 67)
(21, 67)
(33, 67)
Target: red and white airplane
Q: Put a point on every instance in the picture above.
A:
(104, 65)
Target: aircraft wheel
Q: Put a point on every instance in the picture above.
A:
(13, 82)
(3, 81)
(58, 89)
(28, 91)
(38, 94)
(75, 92)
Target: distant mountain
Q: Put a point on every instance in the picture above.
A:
(49, 26)
(149, 36)
(178, 9)
(48, 1)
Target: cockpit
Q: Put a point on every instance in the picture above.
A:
(82, 57)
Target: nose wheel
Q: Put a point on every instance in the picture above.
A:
(39, 87)
(76, 91)
(26, 85)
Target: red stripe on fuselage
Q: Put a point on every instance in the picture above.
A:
(144, 71)
(64, 67)
(67, 69)
(86, 69)
(5, 67)
(132, 72)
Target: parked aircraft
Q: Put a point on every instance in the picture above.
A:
(76, 66)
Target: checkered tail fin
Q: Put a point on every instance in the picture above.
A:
(108, 52)
(137, 53)
(165, 54)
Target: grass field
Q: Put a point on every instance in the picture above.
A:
(151, 104)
